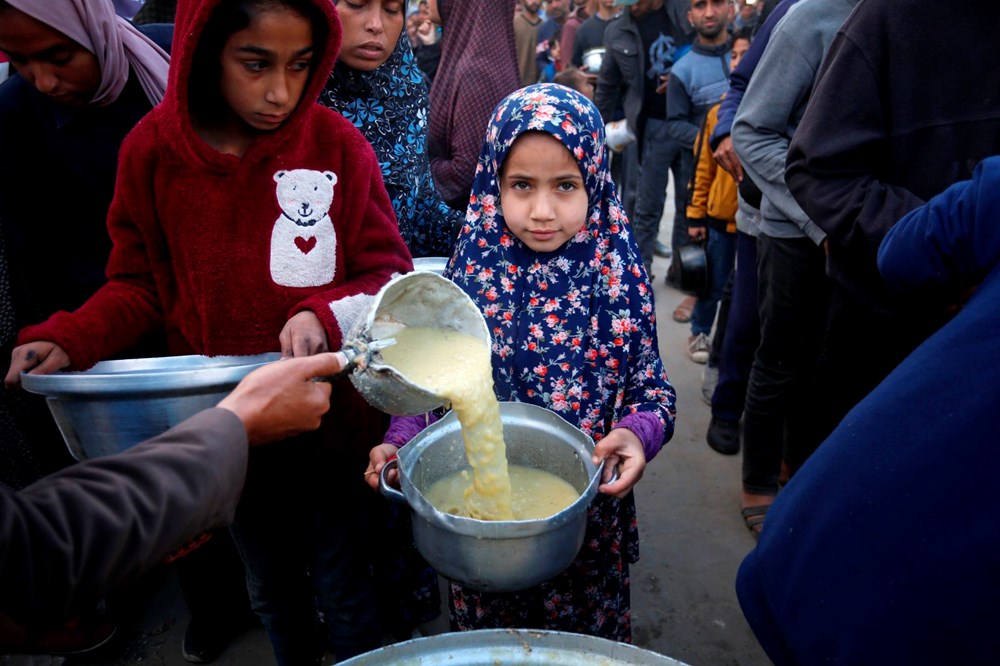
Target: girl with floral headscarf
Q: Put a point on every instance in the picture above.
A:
(547, 253)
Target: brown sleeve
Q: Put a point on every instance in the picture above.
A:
(70, 537)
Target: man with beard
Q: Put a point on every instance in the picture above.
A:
(642, 44)
(556, 13)
(526, 24)
(698, 81)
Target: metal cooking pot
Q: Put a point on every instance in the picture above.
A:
(689, 271)
(592, 59)
(432, 264)
(511, 647)
(117, 404)
(419, 298)
(501, 555)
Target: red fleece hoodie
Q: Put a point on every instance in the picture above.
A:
(220, 250)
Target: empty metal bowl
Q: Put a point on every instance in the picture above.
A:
(117, 404)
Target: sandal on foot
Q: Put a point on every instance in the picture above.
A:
(682, 313)
(753, 516)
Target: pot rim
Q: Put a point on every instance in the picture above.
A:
(144, 377)
(499, 529)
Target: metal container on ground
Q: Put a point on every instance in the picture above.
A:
(117, 404)
(511, 647)
(498, 556)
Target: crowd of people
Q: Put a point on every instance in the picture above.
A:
(230, 177)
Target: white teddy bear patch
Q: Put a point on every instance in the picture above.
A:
(304, 242)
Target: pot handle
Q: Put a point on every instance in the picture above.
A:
(615, 474)
(383, 486)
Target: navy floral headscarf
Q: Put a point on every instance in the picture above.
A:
(389, 105)
(573, 330)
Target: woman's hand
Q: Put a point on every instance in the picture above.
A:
(303, 335)
(620, 447)
(376, 461)
(38, 358)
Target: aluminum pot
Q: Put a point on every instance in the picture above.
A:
(511, 647)
(117, 404)
(592, 59)
(419, 298)
(432, 264)
(498, 555)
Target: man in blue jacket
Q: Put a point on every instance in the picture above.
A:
(642, 45)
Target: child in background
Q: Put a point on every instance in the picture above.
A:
(547, 253)
(711, 213)
(553, 58)
(248, 219)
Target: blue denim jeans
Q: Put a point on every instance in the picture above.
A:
(660, 157)
(720, 252)
(302, 536)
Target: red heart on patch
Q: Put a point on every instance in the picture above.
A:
(304, 245)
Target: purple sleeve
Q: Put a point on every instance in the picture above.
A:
(404, 428)
(648, 428)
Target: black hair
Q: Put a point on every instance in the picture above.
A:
(229, 17)
(742, 33)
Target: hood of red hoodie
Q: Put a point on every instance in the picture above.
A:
(192, 16)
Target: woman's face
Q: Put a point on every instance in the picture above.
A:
(371, 30)
(49, 60)
(433, 14)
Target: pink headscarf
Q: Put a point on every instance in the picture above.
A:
(117, 44)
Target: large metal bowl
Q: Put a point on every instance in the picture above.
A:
(432, 264)
(511, 647)
(498, 555)
(117, 404)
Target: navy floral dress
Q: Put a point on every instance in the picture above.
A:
(389, 105)
(573, 331)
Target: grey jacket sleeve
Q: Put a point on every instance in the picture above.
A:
(679, 114)
(71, 536)
(766, 120)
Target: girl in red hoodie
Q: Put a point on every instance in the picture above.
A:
(247, 218)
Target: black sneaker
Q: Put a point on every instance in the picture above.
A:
(724, 436)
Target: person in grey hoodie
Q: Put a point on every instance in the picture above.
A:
(793, 286)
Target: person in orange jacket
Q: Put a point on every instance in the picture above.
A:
(711, 213)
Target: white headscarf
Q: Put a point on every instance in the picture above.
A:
(118, 45)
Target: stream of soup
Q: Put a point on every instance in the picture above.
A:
(458, 368)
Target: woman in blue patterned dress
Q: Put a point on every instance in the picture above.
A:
(548, 255)
(377, 85)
